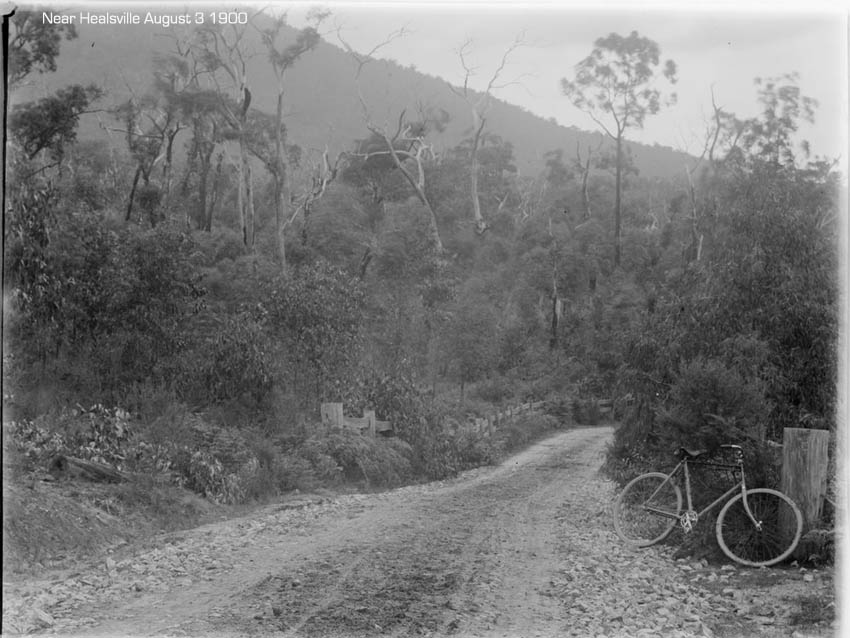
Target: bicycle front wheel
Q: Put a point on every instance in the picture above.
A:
(647, 509)
(780, 525)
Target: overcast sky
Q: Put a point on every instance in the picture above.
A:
(720, 44)
(721, 47)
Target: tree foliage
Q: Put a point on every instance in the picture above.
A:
(50, 124)
(617, 82)
(34, 44)
(716, 321)
(317, 312)
(754, 322)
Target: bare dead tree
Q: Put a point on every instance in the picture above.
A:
(583, 165)
(719, 130)
(479, 105)
(406, 147)
(321, 175)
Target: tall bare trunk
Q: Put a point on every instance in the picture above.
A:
(214, 195)
(618, 201)
(240, 195)
(695, 249)
(249, 203)
(478, 122)
(281, 179)
(133, 193)
(168, 167)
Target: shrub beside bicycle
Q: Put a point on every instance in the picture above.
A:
(708, 404)
(757, 527)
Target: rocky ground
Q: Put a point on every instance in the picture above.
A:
(525, 548)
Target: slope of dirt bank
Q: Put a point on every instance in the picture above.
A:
(521, 549)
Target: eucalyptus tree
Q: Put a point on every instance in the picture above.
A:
(408, 147)
(616, 86)
(224, 53)
(479, 103)
(283, 54)
(42, 129)
(33, 44)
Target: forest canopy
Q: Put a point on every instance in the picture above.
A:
(200, 263)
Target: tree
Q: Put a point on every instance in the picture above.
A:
(617, 81)
(50, 124)
(283, 58)
(743, 342)
(469, 344)
(409, 142)
(223, 55)
(479, 105)
(316, 313)
(34, 44)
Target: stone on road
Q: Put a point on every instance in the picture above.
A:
(522, 549)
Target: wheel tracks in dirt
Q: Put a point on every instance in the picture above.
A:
(521, 549)
(432, 540)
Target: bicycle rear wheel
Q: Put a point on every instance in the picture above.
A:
(647, 509)
(781, 527)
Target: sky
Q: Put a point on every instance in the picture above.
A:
(719, 47)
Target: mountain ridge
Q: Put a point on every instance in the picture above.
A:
(322, 105)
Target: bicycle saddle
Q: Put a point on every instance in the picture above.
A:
(691, 454)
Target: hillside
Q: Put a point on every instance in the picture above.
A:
(322, 101)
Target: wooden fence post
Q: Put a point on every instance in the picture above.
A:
(805, 457)
(369, 415)
(332, 415)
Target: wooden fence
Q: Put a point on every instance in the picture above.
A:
(485, 425)
(332, 416)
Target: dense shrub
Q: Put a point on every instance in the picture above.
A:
(708, 405)
(104, 304)
(586, 411)
(98, 434)
(233, 362)
(316, 312)
(393, 396)
(201, 472)
(711, 404)
(473, 450)
(377, 461)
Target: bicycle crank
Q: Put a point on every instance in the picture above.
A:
(688, 520)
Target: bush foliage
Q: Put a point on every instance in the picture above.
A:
(220, 322)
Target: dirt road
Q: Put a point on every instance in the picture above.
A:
(521, 549)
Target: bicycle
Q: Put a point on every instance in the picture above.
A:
(757, 527)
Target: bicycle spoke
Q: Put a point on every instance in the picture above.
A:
(647, 509)
(741, 540)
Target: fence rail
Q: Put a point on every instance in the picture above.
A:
(332, 416)
(485, 425)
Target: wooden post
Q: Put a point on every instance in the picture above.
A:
(332, 415)
(490, 425)
(805, 456)
(370, 416)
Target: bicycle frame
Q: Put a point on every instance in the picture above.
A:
(683, 468)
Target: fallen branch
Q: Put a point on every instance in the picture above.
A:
(70, 467)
